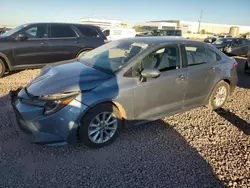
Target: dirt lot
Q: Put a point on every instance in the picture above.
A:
(199, 148)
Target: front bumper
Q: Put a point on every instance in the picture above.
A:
(59, 128)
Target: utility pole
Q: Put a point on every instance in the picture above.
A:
(200, 21)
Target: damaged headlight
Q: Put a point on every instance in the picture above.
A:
(54, 103)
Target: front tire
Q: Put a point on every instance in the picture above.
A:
(2, 68)
(219, 95)
(100, 126)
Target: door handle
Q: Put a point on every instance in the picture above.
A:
(214, 69)
(44, 44)
(181, 77)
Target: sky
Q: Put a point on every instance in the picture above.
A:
(16, 12)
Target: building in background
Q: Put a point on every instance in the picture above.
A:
(103, 23)
(191, 27)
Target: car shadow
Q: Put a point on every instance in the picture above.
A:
(244, 78)
(231, 117)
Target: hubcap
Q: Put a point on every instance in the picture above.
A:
(102, 127)
(220, 96)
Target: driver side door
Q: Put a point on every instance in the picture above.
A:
(35, 49)
(157, 97)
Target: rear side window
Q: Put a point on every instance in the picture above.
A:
(196, 54)
(212, 56)
(88, 31)
(244, 41)
(62, 31)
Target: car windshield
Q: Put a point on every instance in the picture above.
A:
(111, 57)
(12, 31)
(222, 41)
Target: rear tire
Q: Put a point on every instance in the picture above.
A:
(97, 122)
(2, 68)
(219, 95)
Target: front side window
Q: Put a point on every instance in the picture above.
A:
(88, 31)
(164, 59)
(39, 31)
(196, 54)
(62, 31)
(113, 56)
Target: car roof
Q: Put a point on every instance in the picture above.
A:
(161, 39)
(62, 23)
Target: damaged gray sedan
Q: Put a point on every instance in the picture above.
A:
(123, 82)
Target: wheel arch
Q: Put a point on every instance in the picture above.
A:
(73, 136)
(83, 50)
(6, 61)
(225, 79)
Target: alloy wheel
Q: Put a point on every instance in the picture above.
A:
(102, 127)
(220, 96)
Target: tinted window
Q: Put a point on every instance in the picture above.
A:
(212, 56)
(196, 55)
(62, 31)
(106, 33)
(39, 31)
(245, 41)
(167, 58)
(88, 31)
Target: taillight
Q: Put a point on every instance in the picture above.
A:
(106, 41)
(235, 64)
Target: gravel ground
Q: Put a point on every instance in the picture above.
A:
(198, 148)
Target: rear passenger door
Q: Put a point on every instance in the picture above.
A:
(90, 37)
(203, 72)
(63, 40)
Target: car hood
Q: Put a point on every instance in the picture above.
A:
(65, 77)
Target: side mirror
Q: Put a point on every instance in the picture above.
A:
(21, 37)
(150, 73)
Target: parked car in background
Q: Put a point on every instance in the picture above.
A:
(210, 39)
(247, 64)
(118, 33)
(35, 45)
(224, 36)
(125, 81)
(4, 30)
(233, 46)
(162, 32)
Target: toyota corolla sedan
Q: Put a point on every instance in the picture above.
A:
(129, 81)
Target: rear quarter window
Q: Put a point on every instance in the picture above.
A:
(88, 31)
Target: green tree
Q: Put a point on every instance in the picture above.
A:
(203, 31)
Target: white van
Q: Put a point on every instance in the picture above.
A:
(118, 33)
